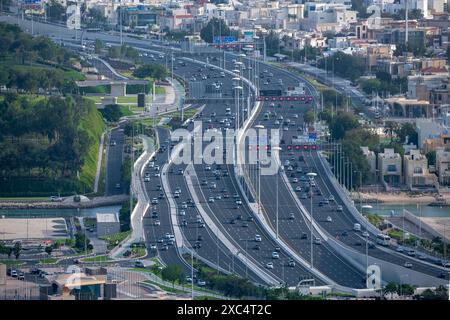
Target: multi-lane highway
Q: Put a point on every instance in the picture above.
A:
(221, 203)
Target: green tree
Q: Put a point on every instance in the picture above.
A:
(309, 117)
(56, 11)
(17, 249)
(48, 250)
(431, 157)
(98, 46)
(111, 112)
(215, 28)
(173, 273)
(341, 123)
(407, 131)
(390, 128)
(391, 287)
(340, 62)
(156, 71)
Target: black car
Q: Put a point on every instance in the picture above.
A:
(256, 247)
(345, 233)
(304, 236)
(250, 219)
(200, 238)
(358, 243)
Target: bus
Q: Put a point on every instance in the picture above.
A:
(383, 239)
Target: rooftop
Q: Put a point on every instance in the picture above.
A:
(106, 217)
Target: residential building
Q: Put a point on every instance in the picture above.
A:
(443, 166)
(390, 167)
(416, 171)
(428, 129)
(137, 16)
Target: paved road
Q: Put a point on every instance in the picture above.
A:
(114, 159)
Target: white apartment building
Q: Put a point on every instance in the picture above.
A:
(416, 171)
(390, 167)
(327, 17)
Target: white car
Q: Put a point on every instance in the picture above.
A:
(408, 264)
(329, 219)
(275, 255)
(184, 205)
(153, 247)
(239, 202)
(365, 234)
(269, 265)
(182, 213)
(201, 283)
(157, 223)
(154, 201)
(258, 238)
(211, 199)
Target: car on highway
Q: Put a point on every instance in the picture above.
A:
(317, 241)
(329, 219)
(339, 208)
(153, 246)
(211, 199)
(304, 236)
(113, 143)
(117, 185)
(147, 179)
(269, 265)
(182, 212)
(184, 205)
(154, 201)
(291, 263)
(275, 255)
(408, 265)
(291, 216)
(157, 223)
(14, 274)
(331, 198)
(56, 199)
(239, 202)
(258, 238)
(365, 234)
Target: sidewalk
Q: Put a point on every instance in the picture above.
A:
(142, 204)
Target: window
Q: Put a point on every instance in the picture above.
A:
(418, 170)
(391, 168)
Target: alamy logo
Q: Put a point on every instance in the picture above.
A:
(251, 147)
(74, 280)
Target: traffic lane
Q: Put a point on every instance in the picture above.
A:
(245, 237)
(114, 162)
(154, 232)
(388, 256)
(325, 258)
(211, 247)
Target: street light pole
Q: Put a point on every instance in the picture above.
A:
(311, 175)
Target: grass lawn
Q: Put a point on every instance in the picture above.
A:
(126, 111)
(138, 252)
(96, 99)
(114, 239)
(160, 90)
(127, 99)
(165, 288)
(97, 259)
(48, 260)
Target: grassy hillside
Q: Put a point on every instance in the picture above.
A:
(92, 122)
